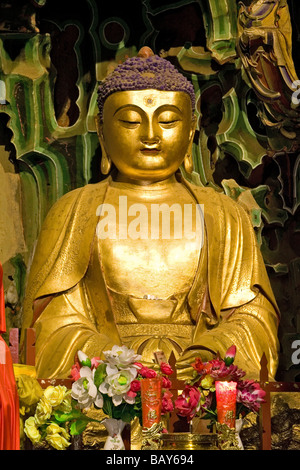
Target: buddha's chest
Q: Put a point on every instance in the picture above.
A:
(150, 247)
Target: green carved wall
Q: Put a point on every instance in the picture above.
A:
(243, 61)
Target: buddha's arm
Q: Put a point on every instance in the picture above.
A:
(64, 327)
(240, 307)
(251, 327)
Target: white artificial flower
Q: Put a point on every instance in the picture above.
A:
(117, 385)
(129, 400)
(99, 400)
(122, 358)
(86, 371)
(84, 391)
(82, 356)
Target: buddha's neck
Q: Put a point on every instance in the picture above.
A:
(146, 185)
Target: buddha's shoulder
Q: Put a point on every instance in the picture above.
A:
(82, 192)
(78, 199)
(210, 196)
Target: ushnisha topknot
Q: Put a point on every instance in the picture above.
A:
(144, 71)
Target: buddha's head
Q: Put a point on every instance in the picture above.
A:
(146, 119)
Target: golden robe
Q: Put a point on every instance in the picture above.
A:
(229, 302)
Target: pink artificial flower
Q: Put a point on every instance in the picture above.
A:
(75, 371)
(250, 395)
(95, 362)
(166, 368)
(202, 368)
(150, 373)
(187, 403)
(230, 355)
(167, 404)
(145, 372)
(135, 386)
(220, 371)
(131, 394)
(166, 382)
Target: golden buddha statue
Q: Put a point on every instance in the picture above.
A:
(105, 273)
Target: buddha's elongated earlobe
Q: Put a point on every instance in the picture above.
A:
(188, 159)
(188, 163)
(105, 162)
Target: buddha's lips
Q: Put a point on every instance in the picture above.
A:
(150, 152)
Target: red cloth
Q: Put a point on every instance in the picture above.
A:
(9, 400)
(2, 305)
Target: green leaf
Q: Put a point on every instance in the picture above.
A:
(210, 414)
(107, 405)
(100, 374)
(228, 361)
(64, 417)
(78, 426)
(127, 413)
(86, 362)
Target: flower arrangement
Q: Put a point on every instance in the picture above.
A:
(199, 396)
(52, 416)
(113, 385)
(39, 409)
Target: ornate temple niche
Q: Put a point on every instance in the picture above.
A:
(12, 242)
(11, 227)
(177, 26)
(48, 58)
(64, 59)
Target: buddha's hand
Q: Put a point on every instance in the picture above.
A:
(184, 368)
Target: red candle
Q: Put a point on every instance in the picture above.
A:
(226, 402)
(151, 401)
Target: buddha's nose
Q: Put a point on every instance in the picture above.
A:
(151, 142)
(150, 136)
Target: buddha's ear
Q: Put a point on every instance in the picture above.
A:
(188, 159)
(105, 160)
(99, 128)
(192, 133)
(193, 127)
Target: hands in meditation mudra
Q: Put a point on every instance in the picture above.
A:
(144, 258)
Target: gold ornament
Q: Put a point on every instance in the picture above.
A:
(152, 437)
(227, 438)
